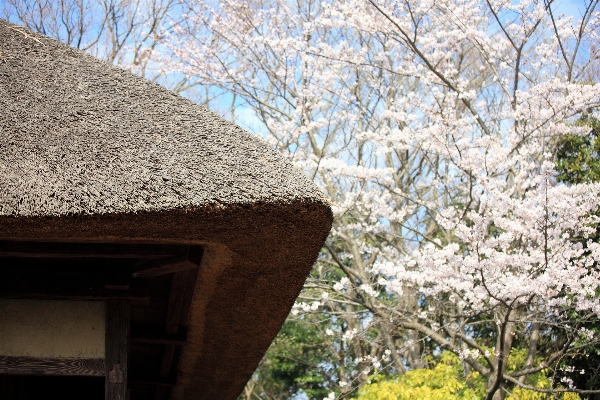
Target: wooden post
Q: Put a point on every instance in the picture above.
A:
(116, 349)
(180, 300)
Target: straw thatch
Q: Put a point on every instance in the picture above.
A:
(90, 152)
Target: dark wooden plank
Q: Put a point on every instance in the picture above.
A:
(162, 392)
(117, 349)
(151, 383)
(188, 258)
(195, 254)
(165, 369)
(112, 286)
(105, 296)
(190, 287)
(117, 275)
(78, 284)
(176, 301)
(86, 250)
(52, 366)
(177, 339)
(180, 299)
(163, 267)
(175, 342)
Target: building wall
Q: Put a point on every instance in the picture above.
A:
(52, 328)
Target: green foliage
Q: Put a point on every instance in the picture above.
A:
(293, 364)
(578, 161)
(586, 359)
(578, 157)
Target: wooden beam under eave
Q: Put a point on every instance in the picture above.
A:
(186, 260)
(178, 310)
(86, 250)
(52, 366)
(162, 267)
(165, 341)
(131, 299)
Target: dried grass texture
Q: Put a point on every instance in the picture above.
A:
(80, 136)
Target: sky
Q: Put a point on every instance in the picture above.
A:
(571, 7)
(246, 117)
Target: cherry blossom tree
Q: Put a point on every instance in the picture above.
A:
(432, 126)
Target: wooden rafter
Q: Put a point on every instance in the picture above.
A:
(106, 296)
(153, 335)
(86, 250)
(189, 258)
(180, 299)
(52, 366)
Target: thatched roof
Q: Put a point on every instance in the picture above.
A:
(90, 152)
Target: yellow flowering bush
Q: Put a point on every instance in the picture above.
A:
(446, 380)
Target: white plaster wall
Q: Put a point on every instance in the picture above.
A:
(52, 328)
